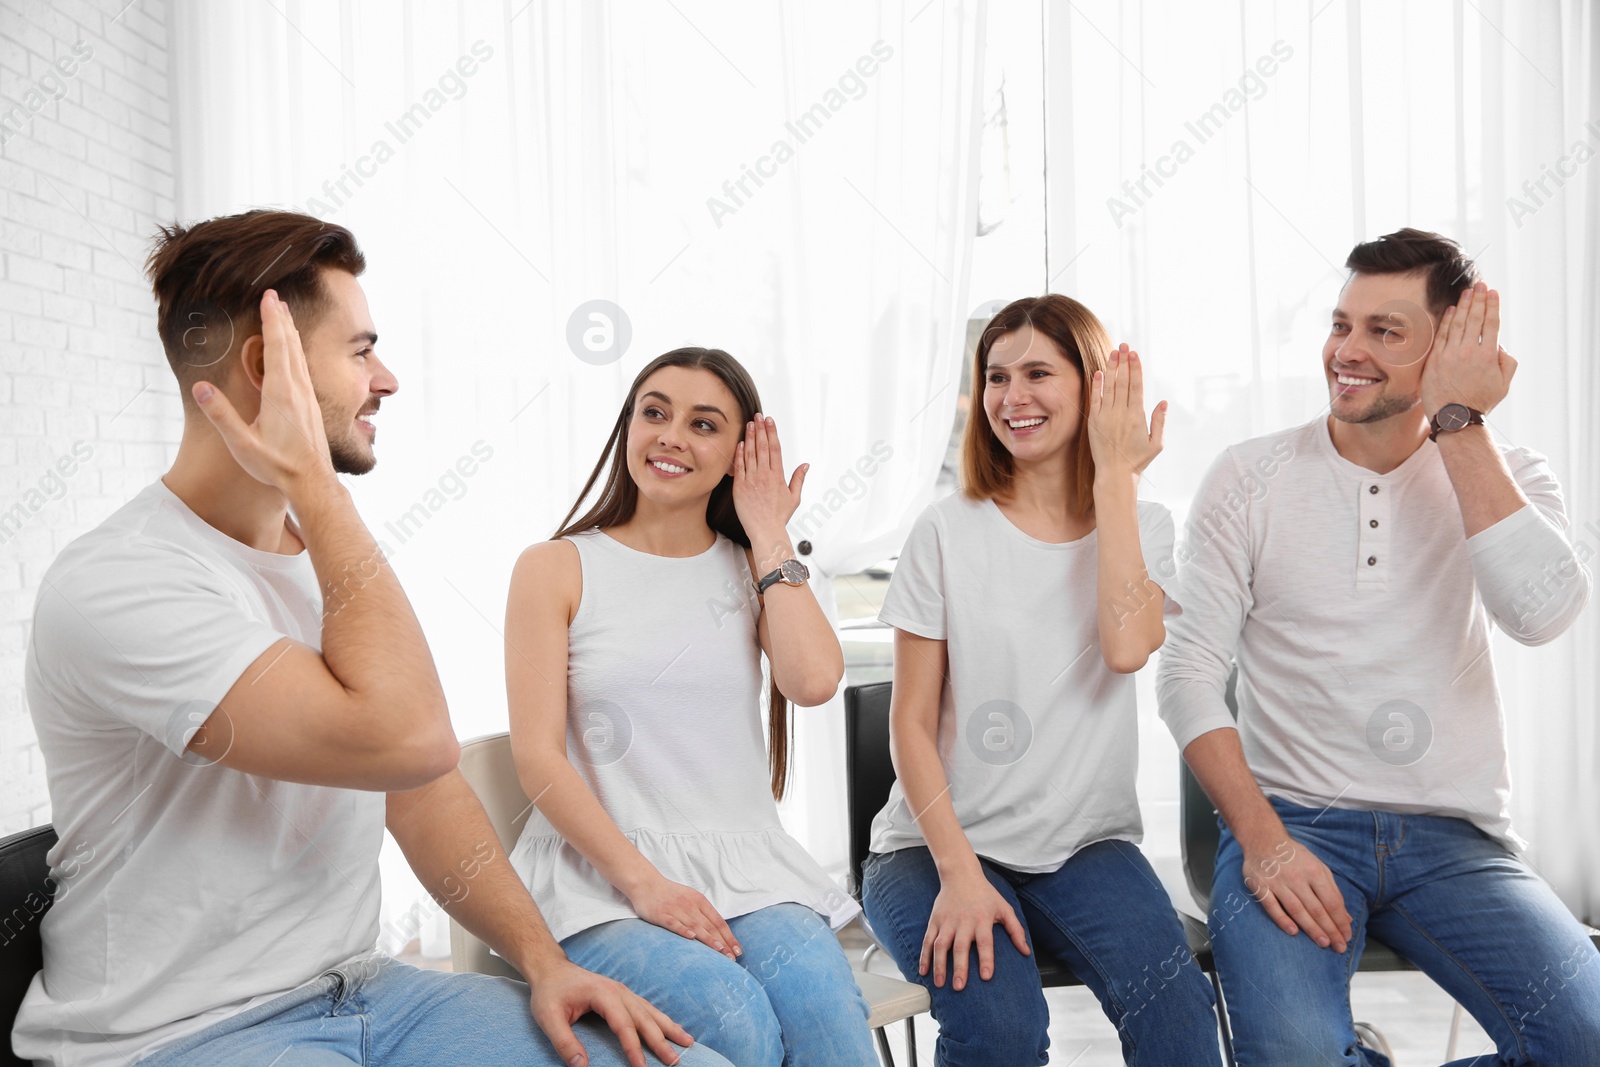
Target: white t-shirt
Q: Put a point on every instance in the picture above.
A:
(1359, 612)
(186, 891)
(1038, 738)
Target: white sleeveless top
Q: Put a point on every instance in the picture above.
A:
(664, 724)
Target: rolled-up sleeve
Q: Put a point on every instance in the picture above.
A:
(1214, 571)
(1532, 581)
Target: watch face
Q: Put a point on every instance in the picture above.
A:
(794, 572)
(1453, 417)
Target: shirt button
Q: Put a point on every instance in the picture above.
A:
(1372, 561)
(1373, 524)
(1372, 489)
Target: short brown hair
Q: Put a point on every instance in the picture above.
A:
(1447, 268)
(208, 280)
(986, 464)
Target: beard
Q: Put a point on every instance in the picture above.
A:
(349, 455)
(1385, 407)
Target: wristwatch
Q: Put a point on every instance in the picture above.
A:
(789, 572)
(1453, 417)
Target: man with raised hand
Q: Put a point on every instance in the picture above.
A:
(1364, 789)
(233, 698)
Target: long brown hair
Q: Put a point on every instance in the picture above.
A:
(987, 467)
(619, 499)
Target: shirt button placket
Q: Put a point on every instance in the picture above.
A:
(1372, 534)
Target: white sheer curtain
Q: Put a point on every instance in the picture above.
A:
(1211, 165)
(795, 184)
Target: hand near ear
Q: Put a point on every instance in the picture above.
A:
(763, 500)
(1467, 365)
(1118, 439)
(287, 442)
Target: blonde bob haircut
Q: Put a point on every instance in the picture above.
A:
(987, 467)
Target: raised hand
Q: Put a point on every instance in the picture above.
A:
(763, 500)
(564, 992)
(1118, 437)
(681, 909)
(1466, 364)
(287, 441)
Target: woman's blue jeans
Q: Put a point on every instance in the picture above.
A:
(1104, 914)
(790, 999)
(1445, 896)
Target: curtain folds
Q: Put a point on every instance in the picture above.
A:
(794, 185)
(1205, 199)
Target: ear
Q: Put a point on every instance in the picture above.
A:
(253, 360)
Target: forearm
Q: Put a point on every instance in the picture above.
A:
(1217, 760)
(1130, 604)
(927, 790)
(371, 639)
(565, 799)
(451, 846)
(1484, 488)
(807, 662)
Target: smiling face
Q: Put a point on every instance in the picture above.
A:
(346, 374)
(1032, 395)
(1377, 347)
(681, 437)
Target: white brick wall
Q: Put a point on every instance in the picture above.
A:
(86, 174)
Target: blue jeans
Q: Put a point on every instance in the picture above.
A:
(790, 999)
(390, 1014)
(1103, 914)
(1442, 894)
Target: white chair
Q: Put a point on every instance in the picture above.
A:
(487, 765)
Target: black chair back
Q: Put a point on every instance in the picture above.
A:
(868, 767)
(1199, 834)
(26, 892)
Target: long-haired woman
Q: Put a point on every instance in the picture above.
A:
(1022, 604)
(634, 639)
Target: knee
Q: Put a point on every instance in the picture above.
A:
(1270, 1039)
(1024, 1049)
(1183, 1003)
(1551, 1035)
(974, 1029)
(734, 1018)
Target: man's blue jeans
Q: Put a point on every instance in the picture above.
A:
(383, 1013)
(1445, 896)
(1104, 914)
(791, 999)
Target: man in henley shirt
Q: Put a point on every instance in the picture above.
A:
(1352, 567)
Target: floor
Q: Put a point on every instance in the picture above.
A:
(1411, 1012)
